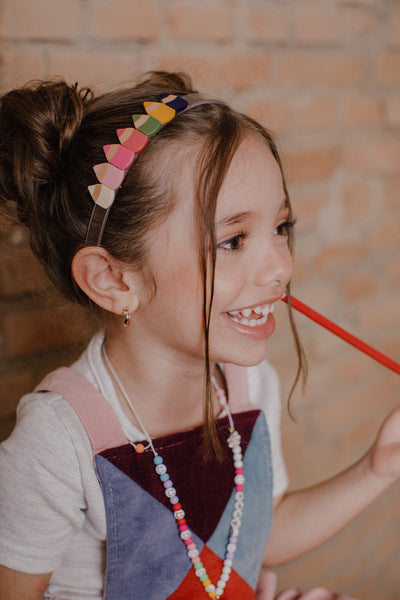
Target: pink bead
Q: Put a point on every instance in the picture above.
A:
(191, 546)
(240, 488)
(196, 560)
(239, 471)
(183, 527)
(189, 541)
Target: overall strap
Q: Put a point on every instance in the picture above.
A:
(97, 416)
(238, 388)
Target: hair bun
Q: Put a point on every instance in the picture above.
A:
(37, 126)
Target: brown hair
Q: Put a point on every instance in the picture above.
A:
(51, 135)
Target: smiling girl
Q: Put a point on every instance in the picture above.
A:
(151, 467)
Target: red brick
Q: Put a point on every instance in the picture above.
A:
(205, 21)
(309, 208)
(362, 110)
(20, 273)
(21, 64)
(356, 200)
(99, 70)
(316, 24)
(329, 68)
(334, 259)
(392, 116)
(41, 20)
(387, 69)
(273, 113)
(265, 23)
(308, 165)
(359, 285)
(380, 315)
(239, 71)
(394, 30)
(391, 193)
(378, 154)
(385, 235)
(12, 386)
(120, 20)
(34, 330)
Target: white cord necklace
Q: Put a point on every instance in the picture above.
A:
(233, 441)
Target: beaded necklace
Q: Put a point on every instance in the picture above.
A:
(233, 441)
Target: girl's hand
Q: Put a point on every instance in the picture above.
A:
(384, 455)
(266, 588)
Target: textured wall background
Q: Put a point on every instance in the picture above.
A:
(324, 75)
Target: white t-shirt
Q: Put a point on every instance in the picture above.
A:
(52, 516)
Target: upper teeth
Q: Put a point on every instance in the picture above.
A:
(241, 316)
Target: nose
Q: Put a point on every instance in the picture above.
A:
(274, 265)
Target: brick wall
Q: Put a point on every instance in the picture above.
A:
(325, 77)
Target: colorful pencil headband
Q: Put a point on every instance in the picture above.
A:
(120, 156)
(345, 335)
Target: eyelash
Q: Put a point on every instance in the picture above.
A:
(238, 236)
(285, 227)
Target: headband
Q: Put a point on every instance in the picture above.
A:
(120, 156)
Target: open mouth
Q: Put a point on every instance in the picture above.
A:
(252, 317)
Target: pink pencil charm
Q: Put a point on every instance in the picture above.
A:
(132, 138)
(111, 176)
(119, 156)
(102, 195)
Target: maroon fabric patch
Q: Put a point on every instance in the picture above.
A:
(203, 488)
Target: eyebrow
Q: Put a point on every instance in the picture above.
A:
(240, 217)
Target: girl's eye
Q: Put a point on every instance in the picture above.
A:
(233, 243)
(284, 228)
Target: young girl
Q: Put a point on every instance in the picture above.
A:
(151, 467)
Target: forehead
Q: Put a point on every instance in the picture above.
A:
(254, 177)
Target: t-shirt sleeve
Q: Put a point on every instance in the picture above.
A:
(42, 502)
(264, 392)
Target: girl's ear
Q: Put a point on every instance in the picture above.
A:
(105, 280)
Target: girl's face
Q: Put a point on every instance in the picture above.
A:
(253, 266)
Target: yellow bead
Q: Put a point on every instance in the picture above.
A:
(213, 594)
(206, 582)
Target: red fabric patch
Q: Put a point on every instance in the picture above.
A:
(191, 587)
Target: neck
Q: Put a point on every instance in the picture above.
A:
(166, 389)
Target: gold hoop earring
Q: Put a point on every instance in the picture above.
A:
(126, 317)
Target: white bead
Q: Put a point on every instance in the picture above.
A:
(221, 584)
(210, 588)
(170, 492)
(236, 450)
(239, 480)
(185, 535)
(239, 505)
(193, 553)
(200, 572)
(231, 547)
(219, 591)
(239, 495)
(228, 562)
(238, 464)
(235, 531)
(236, 523)
(238, 514)
(160, 469)
(226, 570)
(225, 577)
(179, 514)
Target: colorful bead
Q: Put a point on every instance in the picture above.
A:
(161, 469)
(160, 111)
(175, 102)
(139, 448)
(109, 175)
(132, 138)
(102, 195)
(146, 124)
(119, 156)
(164, 478)
(157, 460)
